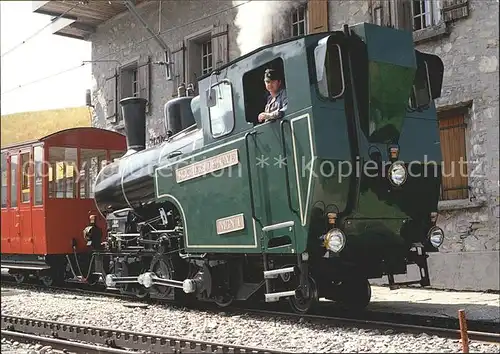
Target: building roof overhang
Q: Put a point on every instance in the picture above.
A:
(79, 19)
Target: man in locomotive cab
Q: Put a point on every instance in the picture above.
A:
(277, 100)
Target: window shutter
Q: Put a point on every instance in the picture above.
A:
(178, 66)
(318, 16)
(454, 9)
(381, 13)
(220, 45)
(403, 15)
(110, 93)
(452, 137)
(143, 73)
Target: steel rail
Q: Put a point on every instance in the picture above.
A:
(120, 339)
(490, 337)
(484, 336)
(75, 347)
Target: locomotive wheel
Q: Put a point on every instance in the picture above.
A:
(140, 292)
(302, 305)
(127, 289)
(224, 300)
(93, 279)
(19, 277)
(162, 267)
(46, 280)
(354, 294)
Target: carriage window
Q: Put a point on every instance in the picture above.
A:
(220, 103)
(25, 177)
(91, 162)
(421, 95)
(115, 154)
(38, 158)
(13, 180)
(62, 172)
(4, 181)
(329, 70)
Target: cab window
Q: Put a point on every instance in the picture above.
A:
(254, 89)
(329, 71)
(221, 112)
(421, 93)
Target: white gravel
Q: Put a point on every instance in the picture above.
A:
(288, 335)
(14, 347)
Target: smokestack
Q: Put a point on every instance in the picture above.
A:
(134, 117)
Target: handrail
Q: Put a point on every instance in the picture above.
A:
(287, 178)
(250, 185)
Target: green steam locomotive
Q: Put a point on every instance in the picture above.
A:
(340, 189)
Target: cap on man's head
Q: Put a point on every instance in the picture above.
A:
(271, 74)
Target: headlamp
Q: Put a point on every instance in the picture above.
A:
(436, 236)
(397, 174)
(334, 240)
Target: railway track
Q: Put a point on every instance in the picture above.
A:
(489, 336)
(69, 290)
(90, 339)
(410, 323)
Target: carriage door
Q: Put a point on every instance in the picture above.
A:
(25, 202)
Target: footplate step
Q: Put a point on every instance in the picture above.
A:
(273, 297)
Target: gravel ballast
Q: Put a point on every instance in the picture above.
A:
(251, 330)
(14, 347)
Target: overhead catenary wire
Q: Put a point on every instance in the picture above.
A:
(135, 44)
(52, 21)
(44, 78)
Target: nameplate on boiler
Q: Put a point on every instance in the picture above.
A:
(212, 164)
(230, 224)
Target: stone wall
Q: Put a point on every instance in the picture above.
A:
(123, 39)
(470, 55)
(469, 256)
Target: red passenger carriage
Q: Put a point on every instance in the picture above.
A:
(47, 198)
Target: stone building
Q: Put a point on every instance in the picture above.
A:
(127, 60)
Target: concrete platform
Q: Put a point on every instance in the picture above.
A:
(439, 303)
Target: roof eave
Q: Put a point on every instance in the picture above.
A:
(84, 16)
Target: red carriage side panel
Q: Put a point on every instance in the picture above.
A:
(49, 196)
(72, 156)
